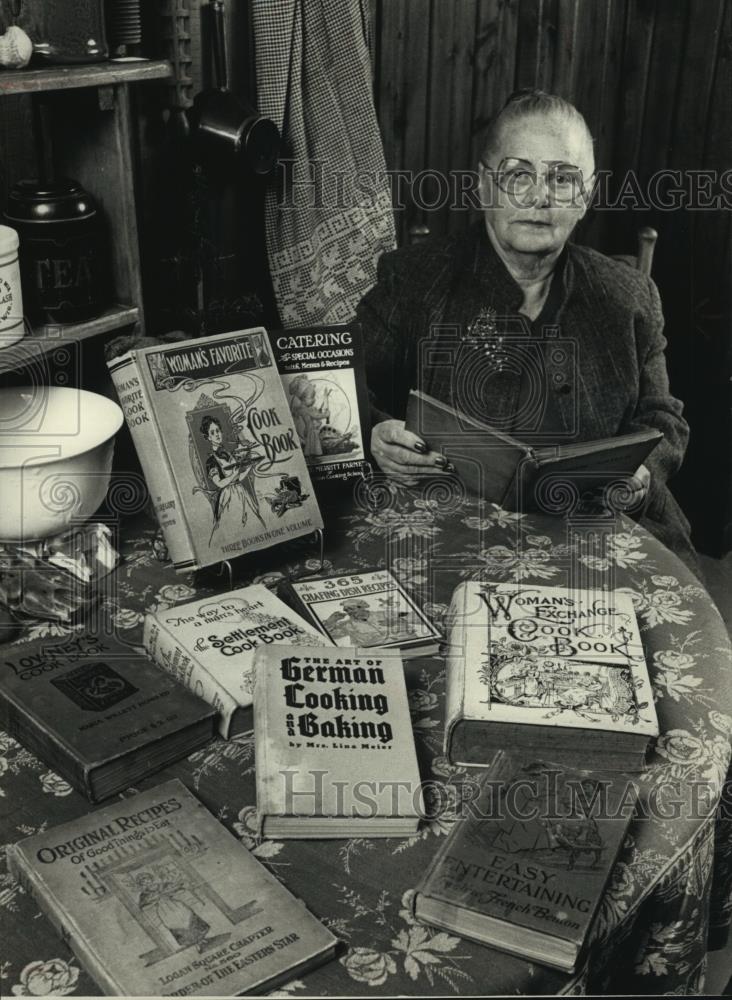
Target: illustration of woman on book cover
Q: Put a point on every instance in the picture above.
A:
(167, 901)
(229, 475)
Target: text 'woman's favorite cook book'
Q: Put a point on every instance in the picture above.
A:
(97, 711)
(518, 476)
(549, 672)
(209, 645)
(217, 444)
(524, 871)
(322, 370)
(370, 608)
(156, 898)
(335, 752)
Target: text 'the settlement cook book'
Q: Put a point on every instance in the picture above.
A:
(365, 609)
(209, 646)
(97, 712)
(335, 752)
(157, 898)
(217, 444)
(525, 870)
(499, 467)
(322, 370)
(550, 672)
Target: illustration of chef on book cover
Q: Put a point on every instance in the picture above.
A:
(325, 413)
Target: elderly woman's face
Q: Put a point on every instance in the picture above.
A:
(536, 217)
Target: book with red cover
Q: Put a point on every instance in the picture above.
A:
(525, 870)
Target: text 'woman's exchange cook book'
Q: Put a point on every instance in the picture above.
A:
(217, 444)
(525, 870)
(97, 711)
(157, 898)
(209, 645)
(551, 672)
(335, 752)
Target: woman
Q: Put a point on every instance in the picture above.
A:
(516, 270)
(226, 473)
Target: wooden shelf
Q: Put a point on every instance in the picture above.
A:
(102, 74)
(92, 142)
(46, 338)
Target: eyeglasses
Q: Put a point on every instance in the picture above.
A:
(564, 182)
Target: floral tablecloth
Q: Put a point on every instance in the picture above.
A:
(671, 888)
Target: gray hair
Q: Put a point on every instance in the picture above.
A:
(528, 102)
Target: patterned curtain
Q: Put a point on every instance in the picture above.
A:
(329, 214)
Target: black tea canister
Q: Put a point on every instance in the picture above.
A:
(63, 252)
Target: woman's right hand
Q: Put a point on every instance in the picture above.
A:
(402, 455)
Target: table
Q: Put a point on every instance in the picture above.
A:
(672, 885)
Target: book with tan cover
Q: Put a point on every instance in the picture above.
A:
(218, 446)
(335, 753)
(554, 673)
(157, 898)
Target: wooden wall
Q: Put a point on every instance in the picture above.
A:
(654, 81)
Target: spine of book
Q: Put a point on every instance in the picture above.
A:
(63, 923)
(140, 417)
(162, 646)
(287, 593)
(263, 771)
(457, 643)
(35, 736)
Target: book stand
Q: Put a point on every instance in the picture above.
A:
(226, 566)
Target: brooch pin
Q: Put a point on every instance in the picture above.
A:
(483, 336)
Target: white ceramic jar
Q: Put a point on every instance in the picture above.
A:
(11, 296)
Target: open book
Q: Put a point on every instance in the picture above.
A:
(515, 475)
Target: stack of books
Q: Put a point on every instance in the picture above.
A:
(541, 681)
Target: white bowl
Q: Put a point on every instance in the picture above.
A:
(56, 447)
